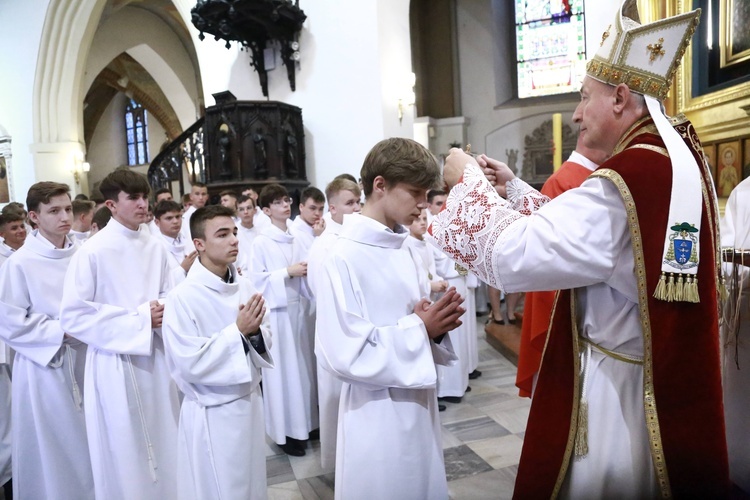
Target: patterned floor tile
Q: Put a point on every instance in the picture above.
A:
(462, 461)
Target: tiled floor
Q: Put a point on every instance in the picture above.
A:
(482, 438)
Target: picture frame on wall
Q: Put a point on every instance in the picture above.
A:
(729, 167)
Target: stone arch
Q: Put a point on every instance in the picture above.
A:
(67, 35)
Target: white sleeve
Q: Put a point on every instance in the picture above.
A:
(271, 283)
(103, 326)
(572, 241)
(37, 336)
(216, 358)
(356, 350)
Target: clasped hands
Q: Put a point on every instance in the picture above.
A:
(496, 172)
(442, 315)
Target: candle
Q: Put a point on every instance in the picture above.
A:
(557, 141)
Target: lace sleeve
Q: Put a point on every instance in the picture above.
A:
(524, 198)
(471, 222)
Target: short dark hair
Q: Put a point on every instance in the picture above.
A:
(162, 191)
(198, 184)
(42, 192)
(271, 193)
(242, 199)
(400, 160)
(312, 192)
(229, 192)
(15, 208)
(82, 207)
(434, 192)
(81, 196)
(123, 180)
(10, 216)
(166, 206)
(346, 176)
(98, 200)
(202, 215)
(101, 217)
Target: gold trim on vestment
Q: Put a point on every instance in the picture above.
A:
(627, 138)
(650, 147)
(576, 393)
(625, 358)
(649, 398)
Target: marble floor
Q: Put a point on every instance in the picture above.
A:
(482, 438)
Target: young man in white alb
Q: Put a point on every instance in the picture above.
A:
(343, 199)
(246, 232)
(50, 452)
(83, 213)
(111, 302)
(278, 272)
(379, 333)
(198, 198)
(168, 220)
(216, 334)
(12, 231)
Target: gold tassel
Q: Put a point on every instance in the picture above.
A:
(661, 288)
(582, 430)
(723, 289)
(694, 296)
(679, 289)
(670, 288)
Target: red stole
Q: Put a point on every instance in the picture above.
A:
(682, 379)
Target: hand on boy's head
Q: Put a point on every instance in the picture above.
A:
(251, 315)
(455, 164)
(319, 227)
(157, 313)
(443, 315)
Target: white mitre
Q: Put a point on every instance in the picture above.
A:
(645, 57)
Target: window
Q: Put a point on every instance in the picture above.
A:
(550, 47)
(136, 132)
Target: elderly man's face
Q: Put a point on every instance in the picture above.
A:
(595, 115)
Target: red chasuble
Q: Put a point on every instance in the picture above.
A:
(537, 308)
(682, 376)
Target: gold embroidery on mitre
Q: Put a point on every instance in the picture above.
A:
(656, 49)
(605, 35)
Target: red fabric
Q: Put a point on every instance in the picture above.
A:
(538, 305)
(685, 347)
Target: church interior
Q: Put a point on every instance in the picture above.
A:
(297, 92)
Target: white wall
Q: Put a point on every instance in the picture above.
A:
(19, 44)
(344, 82)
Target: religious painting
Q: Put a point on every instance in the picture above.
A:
(710, 151)
(746, 163)
(730, 170)
(735, 19)
(4, 191)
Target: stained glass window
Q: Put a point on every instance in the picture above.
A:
(550, 46)
(136, 133)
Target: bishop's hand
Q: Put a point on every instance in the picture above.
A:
(497, 172)
(443, 315)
